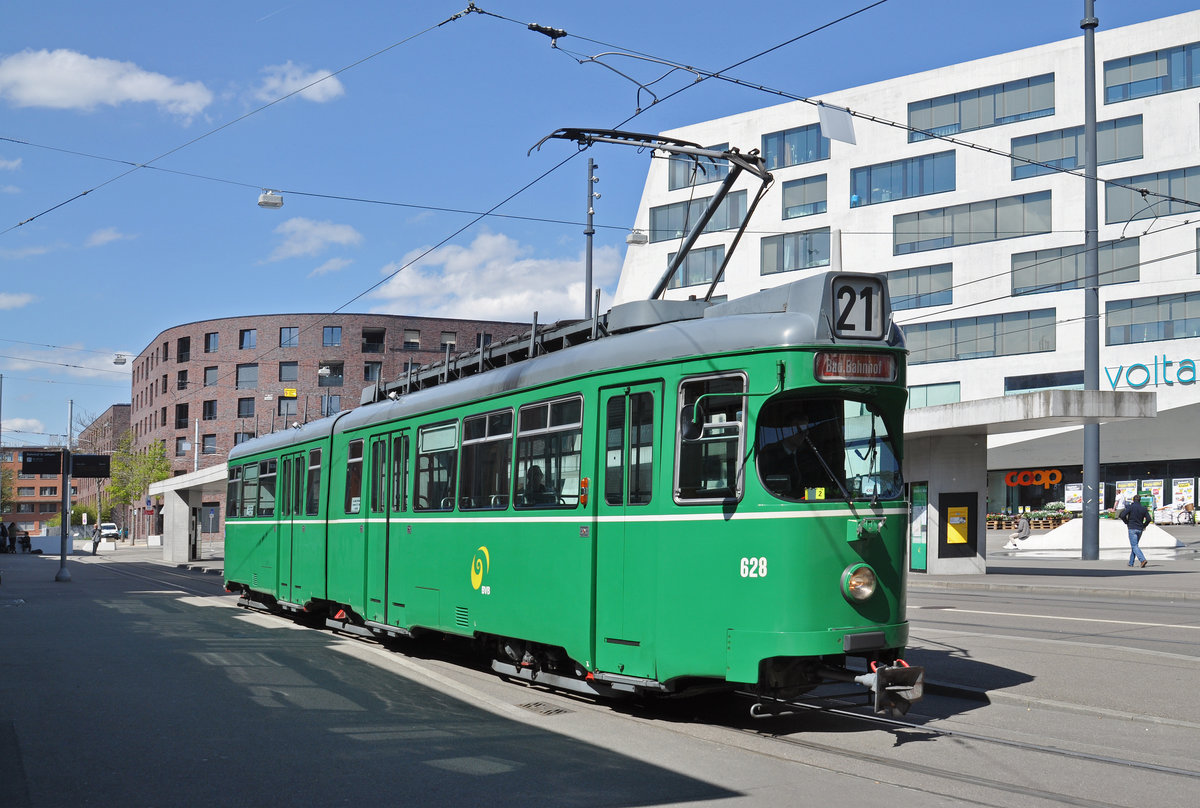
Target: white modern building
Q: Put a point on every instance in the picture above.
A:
(983, 252)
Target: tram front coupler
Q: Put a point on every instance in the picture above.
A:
(896, 686)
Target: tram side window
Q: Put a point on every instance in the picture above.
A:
(266, 488)
(400, 473)
(486, 461)
(638, 456)
(436, 454)
(378, 474)
(708, 467)
(249, 489)
(313, 500)
(549, 441)
(298, 485)
(354, 462)
(233, 493)
(285, 487)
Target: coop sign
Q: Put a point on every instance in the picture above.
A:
(1043, 477)
(1160, 371)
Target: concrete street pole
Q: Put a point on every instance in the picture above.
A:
(1091, 299)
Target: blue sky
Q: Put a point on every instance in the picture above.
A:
(413, 120)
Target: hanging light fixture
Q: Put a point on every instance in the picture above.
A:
(270, 199)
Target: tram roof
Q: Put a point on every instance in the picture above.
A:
(789, 315)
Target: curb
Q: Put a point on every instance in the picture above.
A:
(976, 586)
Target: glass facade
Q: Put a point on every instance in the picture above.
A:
(1019, 332)
(1063, 148)
(699, 267)
(677, 219)
(1150, 319)
(804, 197)
(1063, 267)
(902, 179)
(921, 286)
(1149, 196)
(998, 104)
(688, 171)
(791, 251)
(792, 147)
(972, 223)
(1152, 73)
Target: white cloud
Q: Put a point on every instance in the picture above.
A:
(29, 252)
(9, 300)
(9, 165)
(494, 278)
(305, 237)
(105, 236)
(280, 80)
(9, 189)
(332, 265)
(65, 79)
(24, 425)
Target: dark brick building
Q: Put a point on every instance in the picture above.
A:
(203, 387)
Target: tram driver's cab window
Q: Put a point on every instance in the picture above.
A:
(816, 449)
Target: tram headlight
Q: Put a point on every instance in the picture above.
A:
(858, 583)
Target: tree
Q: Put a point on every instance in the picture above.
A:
(7, 492)
(134, 472)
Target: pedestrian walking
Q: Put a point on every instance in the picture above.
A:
(1136, 517)
(95, 538)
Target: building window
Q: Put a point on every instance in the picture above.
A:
(1064, 267)
(26, 491)
(183, 349)
(804, 197)
(792, 147)
(48, 491)
(1019, 332)
(902, 179)
(687, 171)
(921, 286)
(247, 376)
(677, 219)
(329, 374)
(181, 380)
(1143, 197)
(289, 337)
(211, 341)
(248, 339)
(1150, 319)
(181, 416)
(242, 437)
(791, 251)
(287, 407)
(931, 395)
(700, 266)
(412, 339)
(1152, 73)
(210, 377)
(209, 410)
(181, 447)
(289, 371)
(1065, 380)
(483, 339)
(372, 371)
(372, 340)
(245, 408)
(1063, 149)
(998, 104)
(331, 336)
(449, 340)
(164, 385)
(331, 405)
(972, 223)
(208, 444)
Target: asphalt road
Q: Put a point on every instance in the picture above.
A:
(138, 684)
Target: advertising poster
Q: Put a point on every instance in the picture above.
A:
(1183, 491)
(1074, 497)
(1126, 490)
(1155, 487)
(919, 527)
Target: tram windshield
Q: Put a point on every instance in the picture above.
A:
(813, 449)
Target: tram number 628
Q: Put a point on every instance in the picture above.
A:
(754, 568)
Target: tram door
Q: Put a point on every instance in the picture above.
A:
(626, 555)
(386, 502)
(290, 505)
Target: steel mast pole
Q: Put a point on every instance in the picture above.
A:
(64, 575)
(588, 232)
(1091, 294)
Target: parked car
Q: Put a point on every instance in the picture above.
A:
(109, 530)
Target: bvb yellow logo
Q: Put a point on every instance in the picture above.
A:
(480, 564)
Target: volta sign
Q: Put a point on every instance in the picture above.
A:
(1043, 477)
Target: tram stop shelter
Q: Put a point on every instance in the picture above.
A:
(182, 500)
(946, 463)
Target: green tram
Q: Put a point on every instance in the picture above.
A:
(707, 495)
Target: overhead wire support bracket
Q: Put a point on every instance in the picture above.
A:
(751, 162)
